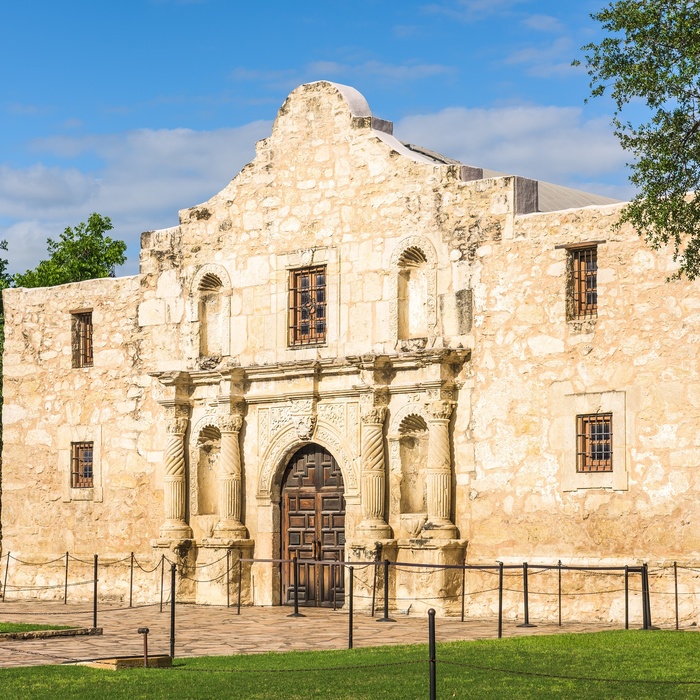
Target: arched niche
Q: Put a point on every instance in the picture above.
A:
(414, 306)
(210, 311)
(413, 455)
(204, 456)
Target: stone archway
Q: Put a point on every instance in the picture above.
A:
(313, 526)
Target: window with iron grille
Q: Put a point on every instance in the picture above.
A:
(584, 282)
(594, 443)
(82, 339)
(307, 306)
(81, 469)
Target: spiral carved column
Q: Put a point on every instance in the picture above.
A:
(175, 526)
(373, 474)
(439, 472)
(230, 525)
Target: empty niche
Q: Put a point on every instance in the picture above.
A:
(413, 294)
(413, 450)
(208, 452)
(211, 316)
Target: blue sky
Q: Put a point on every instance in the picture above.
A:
(140, 108)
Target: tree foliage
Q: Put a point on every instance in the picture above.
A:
(80, 253)
(651, 55)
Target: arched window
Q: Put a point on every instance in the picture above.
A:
(211, 317)
(412, 309)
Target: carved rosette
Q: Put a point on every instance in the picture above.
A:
(439, 471)
(303, 414)
(230, 481)
(373, 469)
(174, 495)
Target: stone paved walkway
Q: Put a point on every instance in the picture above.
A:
(202, 630)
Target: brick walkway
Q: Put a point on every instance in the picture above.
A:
(202, 631)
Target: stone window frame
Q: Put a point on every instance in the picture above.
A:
(613, 403)
(576, 312)
(315, 289)
(82, 465)
(284, 264)
(82, 338)
(69, 435)
(428, 249)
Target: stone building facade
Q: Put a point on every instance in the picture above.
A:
(360, 348)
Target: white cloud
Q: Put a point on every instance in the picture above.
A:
(543, 23)
(555, 144)
(472, 10)
(146, 176)
(545, 61)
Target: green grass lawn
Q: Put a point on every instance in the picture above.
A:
(606, 665)
(20, 627)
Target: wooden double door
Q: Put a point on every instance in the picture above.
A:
(313, 527)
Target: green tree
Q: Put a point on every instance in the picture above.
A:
(81, 253)
(651, 55)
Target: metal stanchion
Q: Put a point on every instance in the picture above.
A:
(645, 615)
(559, 572)
(526, 605)
(374, 587)
(131, 582)
(4, 585)
(162, 574)
(350, 606)
(144, 632)
(172, 611)
(240, 579)
(296, 613)
(65, 583)
(500, 599)
(675, 587)
(228, 579)
(431, 654)
(386, 617)
(94, 595)
(627, 597)
(464, 583)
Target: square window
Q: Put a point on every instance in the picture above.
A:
(81, 336)
(594, 443)
(81, 470)
(584, 282)
(307, 306)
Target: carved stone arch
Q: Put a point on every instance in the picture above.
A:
(211, 279)
(208, 422)
(413, 408)
(287, 441)
(413, 253)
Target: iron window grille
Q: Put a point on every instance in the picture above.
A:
(82, 339)
(307, 306)
(594, 443)
(81, 470)
(584, 282)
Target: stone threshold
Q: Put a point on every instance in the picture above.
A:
(47, 634)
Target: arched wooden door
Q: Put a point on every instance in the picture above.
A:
(313, 527)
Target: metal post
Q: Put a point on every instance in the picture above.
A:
(4, 585)
(335, 607)
(350, 606)
(295, 564)
(386, 617)
(526, 605)
(648, 598)
(464, 583)
(374, 587)
(627, 597)
(500, 599)
(645, 618)
(144, 632)
(431, 653)
(559, 571)
(240, 578)
(228, 579)
(172, 611)
(675, 585)
(65, 583)
(162, 572)
(131, 582)
(94, 595)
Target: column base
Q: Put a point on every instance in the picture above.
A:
(374, 530)
(175, 530)
(439, 530)
(230, 530)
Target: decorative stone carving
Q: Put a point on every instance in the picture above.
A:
(304, 426)
(174, 494)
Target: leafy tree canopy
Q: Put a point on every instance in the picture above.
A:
(81, 253)
(651, 55)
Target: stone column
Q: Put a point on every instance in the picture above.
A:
(175, 526)
(373, 474)
(229, 478)
(439, 472)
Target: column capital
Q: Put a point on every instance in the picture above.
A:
(440, 409)
(177, 417)
(231, 423)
